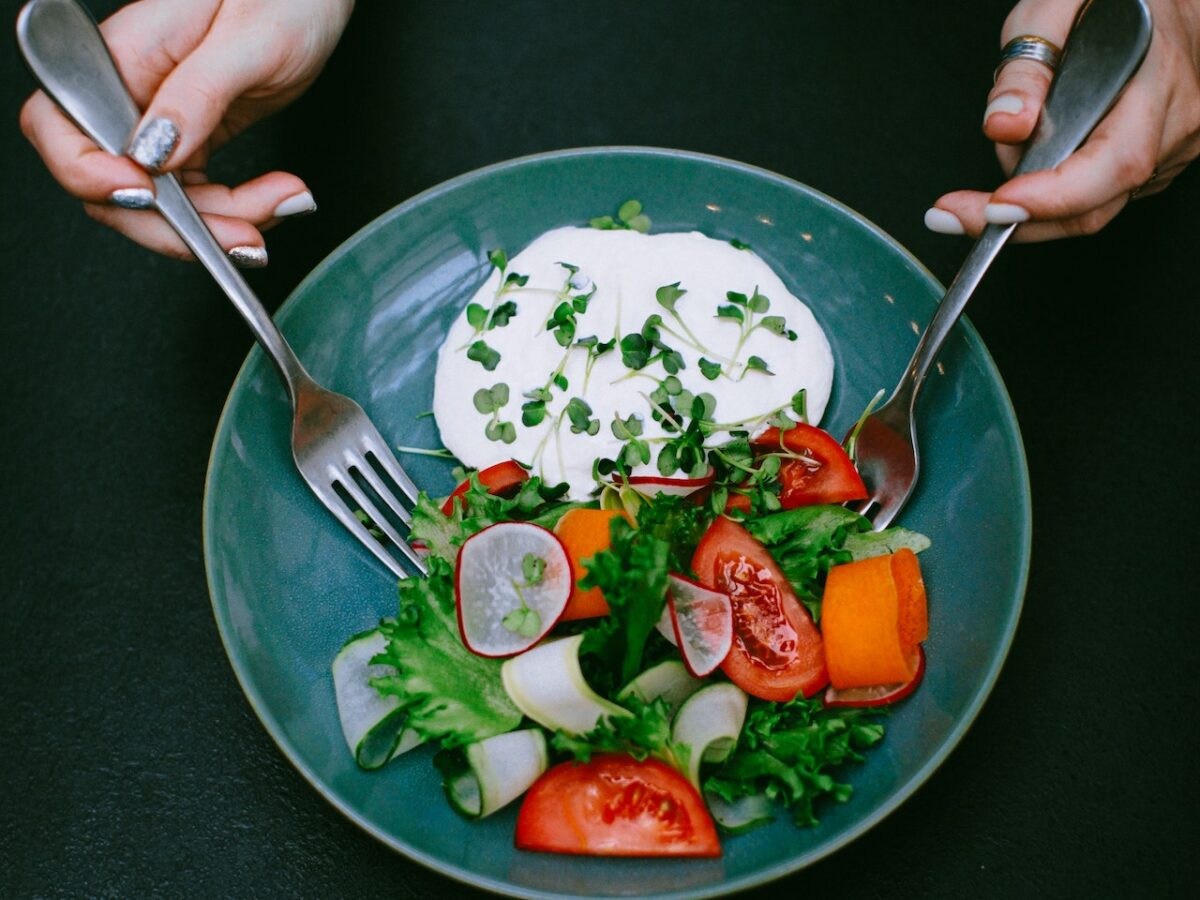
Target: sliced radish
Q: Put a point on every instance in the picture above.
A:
(677, 487)
(513, 582)
(666, 625)
(877, 695)
(703, 624)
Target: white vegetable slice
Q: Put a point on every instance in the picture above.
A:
(742, 814)
(547, 685)
(703, 623)
(669, 680)
(652, 485)
(499, 770)
(666, 625)
(372, 724)
(709, 722)
(505, 608)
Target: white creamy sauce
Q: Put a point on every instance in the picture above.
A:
(626, 269)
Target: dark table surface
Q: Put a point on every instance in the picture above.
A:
(131, 763)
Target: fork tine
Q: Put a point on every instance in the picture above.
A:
(383, 455)
(380, 521)
(345, 515)
(368, 474)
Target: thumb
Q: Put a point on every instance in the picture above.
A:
(1016, 99)
(190, 103)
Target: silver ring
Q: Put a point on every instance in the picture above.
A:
(1029, 46)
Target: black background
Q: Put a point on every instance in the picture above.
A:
(130, 763)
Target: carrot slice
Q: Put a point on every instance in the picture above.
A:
(585, 532)
(872, 617)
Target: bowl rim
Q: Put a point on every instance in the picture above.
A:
(762, 876)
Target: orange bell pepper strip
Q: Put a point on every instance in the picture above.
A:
(873, 615)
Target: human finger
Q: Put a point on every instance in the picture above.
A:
(1120, 155)
(962, 212)
(262, 201)
(191, 102)
(81, 167)
(1015, 100)
(241, 241)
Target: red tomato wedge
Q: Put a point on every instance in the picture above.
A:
(499, 479)
(777, 650)
(826, 475)
(616, 806)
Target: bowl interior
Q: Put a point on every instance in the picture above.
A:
(289, 585)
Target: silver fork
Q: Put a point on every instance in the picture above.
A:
(1104, 49)
(339, 452)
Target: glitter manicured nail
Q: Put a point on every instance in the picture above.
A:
(248, 257)
(297, 205)
(132, 198)
(154, 143)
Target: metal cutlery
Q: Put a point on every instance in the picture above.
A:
(337, 449)
(1103, 50)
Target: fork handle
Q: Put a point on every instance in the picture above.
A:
(68, 56)
(1104, 49)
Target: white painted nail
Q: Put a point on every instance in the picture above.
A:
(943, 222)
(1005, 103)
(132, 198)
(1005, 213)
(247, 257)
(154, 143)
(296, 205)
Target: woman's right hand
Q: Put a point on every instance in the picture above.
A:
(203, 70)
(1146, 140)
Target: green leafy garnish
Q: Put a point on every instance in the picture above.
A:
(785, 750)
(632, 573)
(450, 694)
(809, 540)
(645, 733)
(579, 413)
(480, 352)
(629, 217)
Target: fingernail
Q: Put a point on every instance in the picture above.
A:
(297, 205)
(154, 143)
(1005, 103)
(132, 198)
(943, 222)
(248, 257)
(1005, 213)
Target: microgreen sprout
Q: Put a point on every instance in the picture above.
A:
(438, 453)
(743, 310)
(579, 413)
(482, 318)
(851, 445)
(489, 402)
(523, 620)
(481, 352)
(635, 451)
(629, 217)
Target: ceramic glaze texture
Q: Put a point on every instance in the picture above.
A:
(289, 585)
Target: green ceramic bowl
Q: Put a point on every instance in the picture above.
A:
(289, 585)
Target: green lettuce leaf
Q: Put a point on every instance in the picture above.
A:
(535, 501)
(450, 694)
(809, 540)
(647, 732)
(632, 573)
(785, 750)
